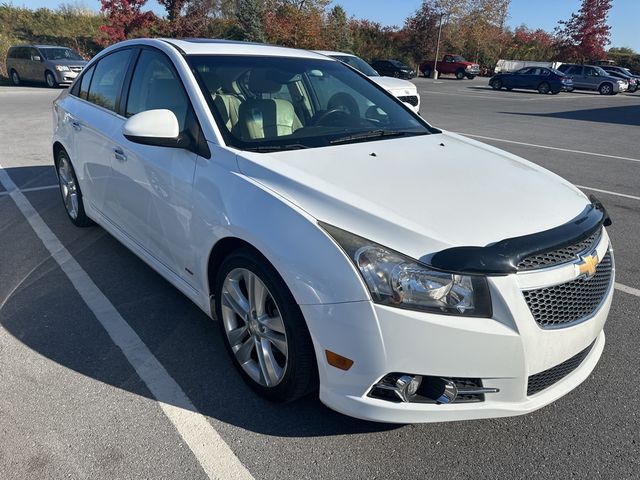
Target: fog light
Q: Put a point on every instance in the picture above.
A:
(408, 386)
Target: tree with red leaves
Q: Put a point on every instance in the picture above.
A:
(124, 18)
(584, 36)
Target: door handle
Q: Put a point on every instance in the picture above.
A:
(119, 154)
(75, 124)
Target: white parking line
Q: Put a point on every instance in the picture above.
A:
(214, 455)
(550, 148)
(609, 192)
(629, 290)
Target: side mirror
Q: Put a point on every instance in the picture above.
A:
(36, 58)
(153, 127)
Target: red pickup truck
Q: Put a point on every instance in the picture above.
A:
(453, 65)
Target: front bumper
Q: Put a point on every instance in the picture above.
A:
(503, 352)
(66, 77)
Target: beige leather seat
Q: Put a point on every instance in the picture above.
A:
(266, 117)
(227, 103)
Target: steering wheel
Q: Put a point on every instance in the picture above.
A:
(332, 112)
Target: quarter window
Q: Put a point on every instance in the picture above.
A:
(85, 82)
(107, 79)
(155, 85)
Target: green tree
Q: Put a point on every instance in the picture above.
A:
(250, 20)
(337, 31)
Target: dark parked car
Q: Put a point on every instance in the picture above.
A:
(625, 74)
(393, 68)
(542, 79)
(50, 64)
(592, 77)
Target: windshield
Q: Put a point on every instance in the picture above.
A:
(358, 64)
(59, 53)
(264, 103)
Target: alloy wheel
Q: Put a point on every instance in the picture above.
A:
(68, 187)
(15, 78)
(254, 327)
(51, 82)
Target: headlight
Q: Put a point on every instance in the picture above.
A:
(62, 68)
(399, 281)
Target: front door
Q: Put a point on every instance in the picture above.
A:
(149, 192)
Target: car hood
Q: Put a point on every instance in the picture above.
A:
(395, 84)
(419, 195)
(69, 63)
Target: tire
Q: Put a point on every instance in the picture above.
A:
(460, 74)
(496, 84)
(555, 92)
(426, 73)
(606, 89)
(50, 79)
(292, 374)
(544, 88)
(15, 78)
(471, 77)
(70, 191)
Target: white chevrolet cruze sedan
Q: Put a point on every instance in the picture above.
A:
(344, 245)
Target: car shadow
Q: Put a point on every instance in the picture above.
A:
(622, 115)
(42, 310)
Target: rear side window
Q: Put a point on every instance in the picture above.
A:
(12, 53)
(155, 85)
(85, 82)
(107, 79)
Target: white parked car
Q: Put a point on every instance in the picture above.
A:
(403, 89)
(406, 273)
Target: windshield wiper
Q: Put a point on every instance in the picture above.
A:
(366, 135)
(276, 148)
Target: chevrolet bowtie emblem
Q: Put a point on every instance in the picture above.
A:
(586, 267)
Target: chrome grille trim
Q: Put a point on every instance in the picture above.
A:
(560, 256)
(573, 302)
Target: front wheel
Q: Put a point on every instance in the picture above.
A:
(263, 328)
(460, 74)
(70, 191)
(50, 80)
(496, 84)
(544, 88)
(15, 78)
(606, 89)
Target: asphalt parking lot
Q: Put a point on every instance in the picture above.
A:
(73, 406)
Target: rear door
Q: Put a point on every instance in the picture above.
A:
(149, 193)
(36, 65)
(93, 117)
(576, 72)
(592, 78)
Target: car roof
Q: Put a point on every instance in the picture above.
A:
(208, 46)
(330, 53)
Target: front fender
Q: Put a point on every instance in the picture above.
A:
(230, 204)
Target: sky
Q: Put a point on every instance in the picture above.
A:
(623, 17)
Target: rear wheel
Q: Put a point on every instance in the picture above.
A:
(606, 89)
(50, 80)
(70, 191)
(15, 78)
(426, 73)
(544, 88)
(496, 84)
(460, 74)
(263, 328)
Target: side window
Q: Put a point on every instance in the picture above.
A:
(107, 79)
(590, 72)
(575, 71)
(12, 53)
(83, 91)
(543, 72)
(155, 85)
(33, 53)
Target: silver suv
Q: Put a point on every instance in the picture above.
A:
(592, 77)
(50, 64)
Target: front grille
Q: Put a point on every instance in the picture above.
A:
(410, 99)
(561, 255)
(570, 302)
(542, 380)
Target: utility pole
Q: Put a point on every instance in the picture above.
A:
(435, 65)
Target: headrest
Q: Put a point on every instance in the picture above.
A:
(263, 81)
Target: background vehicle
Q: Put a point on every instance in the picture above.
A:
(404, 90)
(393, 68)
(50, 64)
(592, 77)
(623, 74)
(451, 65)
(544, 80)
